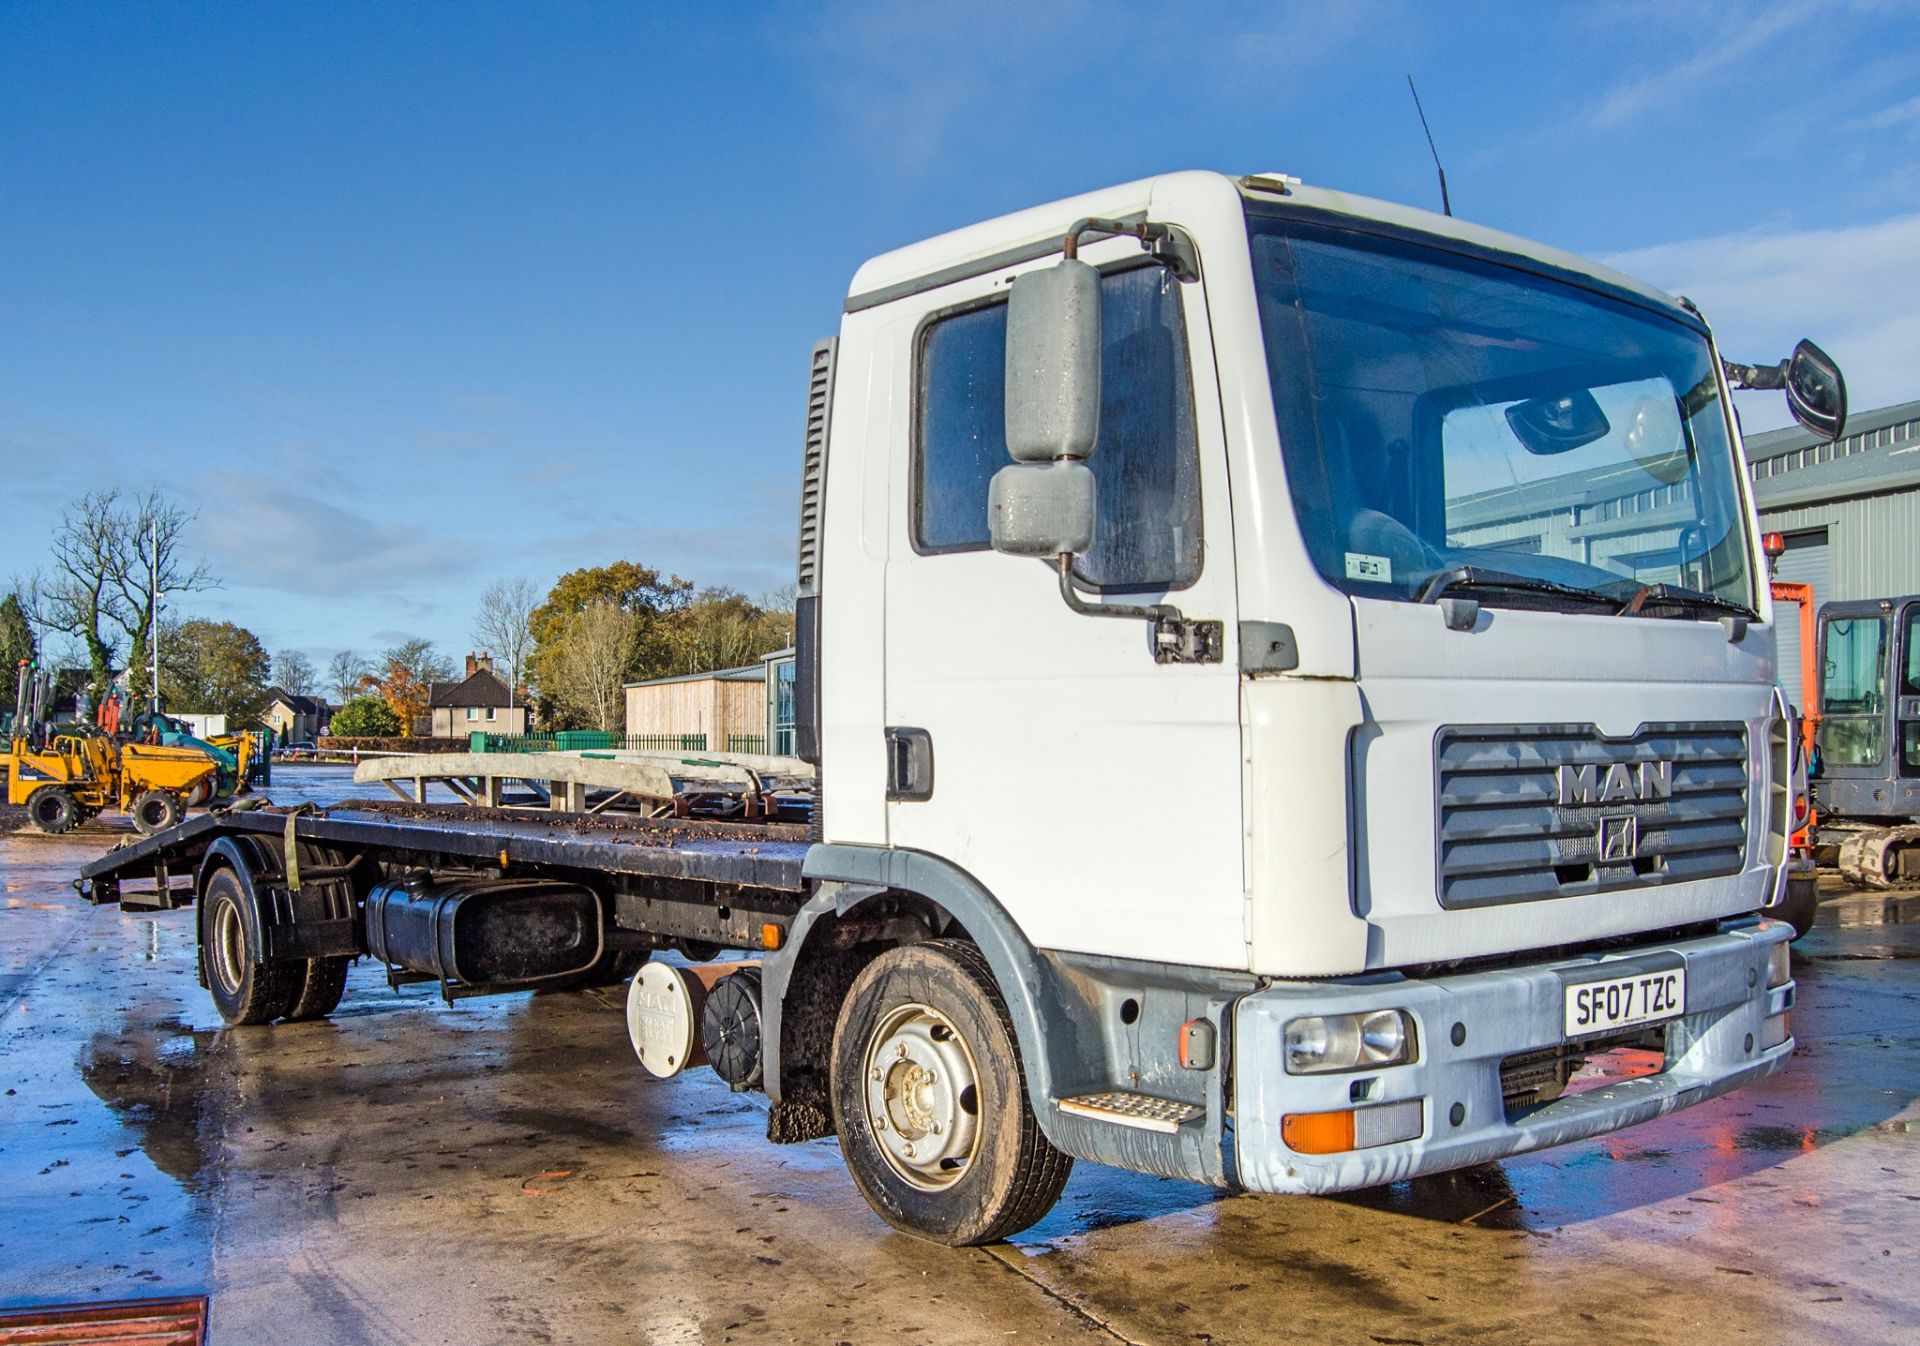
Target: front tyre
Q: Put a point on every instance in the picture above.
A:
(930, 1101)
(53, 809)
(244, 990)
(155, 811)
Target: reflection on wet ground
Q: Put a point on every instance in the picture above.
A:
(502, 1170)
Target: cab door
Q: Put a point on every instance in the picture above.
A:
(1093, 791)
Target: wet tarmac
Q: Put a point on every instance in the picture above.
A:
(502, 1170)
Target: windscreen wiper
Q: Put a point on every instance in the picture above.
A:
(1680, 595)
(1471, 577)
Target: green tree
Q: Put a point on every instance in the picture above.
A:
(16, 643)
(214, 667)
(365, 717)
(724, 629)
(650, 597)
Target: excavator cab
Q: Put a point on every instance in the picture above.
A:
(1868, 786)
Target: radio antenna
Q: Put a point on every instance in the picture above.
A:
(1446, 205)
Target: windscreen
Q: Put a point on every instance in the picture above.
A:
(1450, 419)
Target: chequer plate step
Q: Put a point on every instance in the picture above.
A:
(1143, 1111)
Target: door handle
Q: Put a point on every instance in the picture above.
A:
(909, 764)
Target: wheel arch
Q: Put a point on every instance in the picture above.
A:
(246, 857)
(870, 899)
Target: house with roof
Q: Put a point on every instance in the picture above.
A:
(478, 701)
(295, 718)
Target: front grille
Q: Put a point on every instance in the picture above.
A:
(1531, 1080)
(1505, 836)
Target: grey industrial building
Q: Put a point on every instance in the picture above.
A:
(1849, 510)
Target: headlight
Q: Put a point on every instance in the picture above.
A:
(1323, 1043)
(1779, 966)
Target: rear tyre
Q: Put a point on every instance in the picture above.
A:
(53, 809)
(155, 811)
(244, 991)
(931, 1103)
(322, 981)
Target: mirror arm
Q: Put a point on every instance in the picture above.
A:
(1755, 376)
(1174, 639)
(1169, 246)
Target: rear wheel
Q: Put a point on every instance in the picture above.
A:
(155, 811)
(52, 808)
(322, 981)
(244, 990)
(930, 1101)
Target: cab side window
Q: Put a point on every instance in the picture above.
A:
(1146, 463)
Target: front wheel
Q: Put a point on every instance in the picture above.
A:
(930, 1101)
(155, 811)
(52, 808)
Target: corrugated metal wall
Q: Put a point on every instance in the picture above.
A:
(1874, 542)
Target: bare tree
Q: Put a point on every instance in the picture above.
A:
(77, 597)
(109, 558)
(295, 674)
(504, 626)
(148, 560)
(346, 675)
(586, 670)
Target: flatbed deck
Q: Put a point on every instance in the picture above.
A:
(765, 855)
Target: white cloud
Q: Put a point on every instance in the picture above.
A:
(265, 532)
(1898, 115)
(1729, 44)
(1850, 289)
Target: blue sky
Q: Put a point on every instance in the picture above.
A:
(407, 298)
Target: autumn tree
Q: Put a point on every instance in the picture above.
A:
(295, 674)
(214, 667)
(640, 591)
(403, 677)
(724, 629)
(504, 627)
(587, 655)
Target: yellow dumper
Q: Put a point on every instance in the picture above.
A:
(78, 775)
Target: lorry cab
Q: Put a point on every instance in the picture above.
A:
(1463, 518)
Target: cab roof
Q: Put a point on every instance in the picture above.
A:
(1027, 234)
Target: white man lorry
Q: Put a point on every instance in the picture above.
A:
(1290, 680)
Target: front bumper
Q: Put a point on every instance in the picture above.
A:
(1468, 1025)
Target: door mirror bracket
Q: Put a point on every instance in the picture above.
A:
(1044, 503)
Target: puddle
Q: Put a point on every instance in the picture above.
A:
(154, 1080)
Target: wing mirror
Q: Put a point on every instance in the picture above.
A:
(1043, 503)
(1816, 390)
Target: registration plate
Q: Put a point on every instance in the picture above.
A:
(1621, 1002)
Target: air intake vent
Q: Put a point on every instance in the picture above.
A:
(1542, 811)
(813, 470)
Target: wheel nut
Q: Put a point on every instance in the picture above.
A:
(879, 1122)
(907, 1150)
